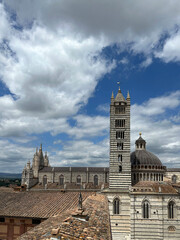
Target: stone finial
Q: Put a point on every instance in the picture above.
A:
(128, 95)
(40, 147)
(112, 96)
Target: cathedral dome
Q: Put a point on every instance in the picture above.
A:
(143, 157)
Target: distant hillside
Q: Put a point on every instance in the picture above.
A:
(10, 175)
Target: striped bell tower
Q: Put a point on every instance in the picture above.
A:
(120, 166)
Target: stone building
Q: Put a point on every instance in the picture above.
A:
(41, 174)
(144, 199)
(143, 195)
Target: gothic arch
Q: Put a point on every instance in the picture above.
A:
(146, 207)
(116, 205)
(171, 207)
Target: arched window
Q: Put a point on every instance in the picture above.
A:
(171, 208)
(95, 180)
(116, 206)
(145, 209)
(61, 180)
(78, 180)
(174, 178)
(44, 180)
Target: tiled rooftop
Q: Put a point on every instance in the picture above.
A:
(69, 225)
(70, 186)
(154, 187)
(38, 204)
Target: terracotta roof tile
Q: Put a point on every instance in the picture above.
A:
(38, 204)
(68, 226)
(154, 187)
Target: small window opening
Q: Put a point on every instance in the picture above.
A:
(120, 158)
(120, 146)
(2, 219)
(119, 135)
(36, 221)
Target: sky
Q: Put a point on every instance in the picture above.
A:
(60, 60)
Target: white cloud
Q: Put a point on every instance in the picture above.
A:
(104, 108)
(171, 50)
(161, 135)
(82, 153)
(139, 22)
(13, 156)
(52, 67)
(52, 74)
(57, 141)
(157, 106)
(160, 132)
(146, 62)
(89, 126)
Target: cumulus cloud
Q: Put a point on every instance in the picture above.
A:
(146, 62)
(51, 75)
(160, 132)
(13, 156)
(87, 126)
(51, 62)
(83, 153)
(171, 50)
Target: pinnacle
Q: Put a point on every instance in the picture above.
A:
(112, 96)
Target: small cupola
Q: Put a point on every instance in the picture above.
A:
(140, 143)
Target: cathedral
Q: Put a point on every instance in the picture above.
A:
(143, 195)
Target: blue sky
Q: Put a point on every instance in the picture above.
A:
(59, 63)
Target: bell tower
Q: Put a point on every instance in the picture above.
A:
(120, 166)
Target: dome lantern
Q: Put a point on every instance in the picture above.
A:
(140, 143)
